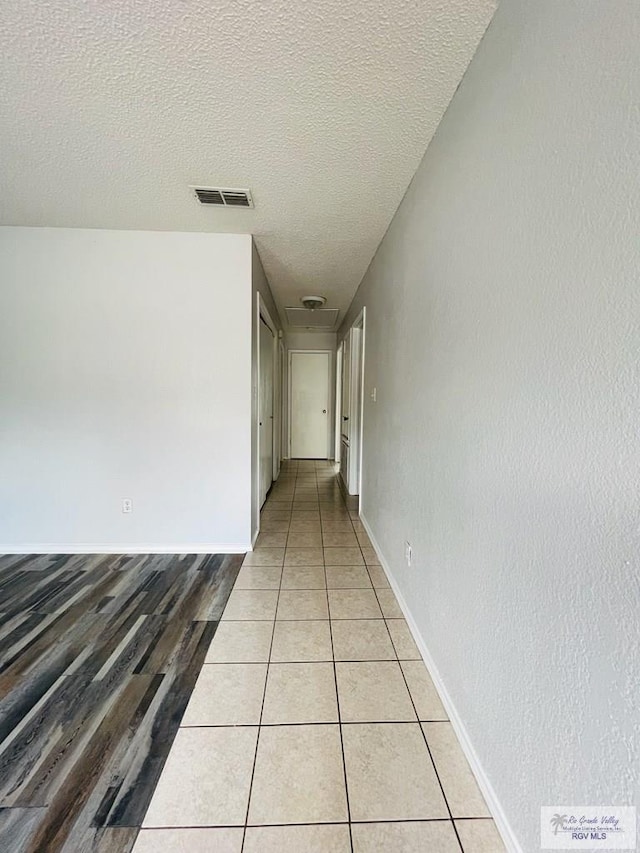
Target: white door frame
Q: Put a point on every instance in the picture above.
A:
(357, 330)
(281, 359)
(338, 413)
(263, 312)
(328, 352)
(361, 448)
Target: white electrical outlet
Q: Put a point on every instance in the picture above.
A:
(127, 505)
(374, 394)
(408, 553)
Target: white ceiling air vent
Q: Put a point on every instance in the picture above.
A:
(318, 318)
(220, 197)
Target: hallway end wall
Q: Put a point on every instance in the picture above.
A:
(503, 341)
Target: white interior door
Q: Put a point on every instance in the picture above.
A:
(309, 383)
(265, 406)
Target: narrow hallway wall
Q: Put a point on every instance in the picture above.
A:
(503, 342)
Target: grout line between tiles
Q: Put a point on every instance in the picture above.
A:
(307, 823)
(318, 618)
(435, 769)
(264, 694)
(314, 723)
(323, 660)
(335, 678)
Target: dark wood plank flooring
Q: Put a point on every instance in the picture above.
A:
(99, 655)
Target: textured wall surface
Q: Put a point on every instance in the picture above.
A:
(108, 111)
(125, 372)
(503, 320)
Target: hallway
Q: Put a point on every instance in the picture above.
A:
(327, 732)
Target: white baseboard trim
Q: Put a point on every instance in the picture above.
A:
(126, 548)
(503, 825)
(254, 539)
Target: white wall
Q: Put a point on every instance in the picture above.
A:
(125, 372)
(310, 341)
(260, 285)
(503, 330)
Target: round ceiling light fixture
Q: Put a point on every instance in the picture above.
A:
(313, 302)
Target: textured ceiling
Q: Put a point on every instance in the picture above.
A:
(323, 108)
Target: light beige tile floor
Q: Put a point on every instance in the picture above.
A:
(318, 838)
(190, 840)
(314, 726)
(300, 693)
(390, 775)
(373, 691)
